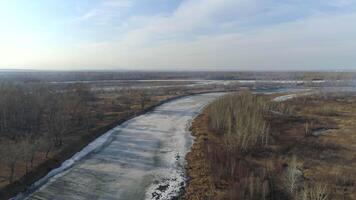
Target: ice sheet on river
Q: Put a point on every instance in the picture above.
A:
(141, 159)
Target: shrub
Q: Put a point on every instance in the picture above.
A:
(315, 191)
(291, 176)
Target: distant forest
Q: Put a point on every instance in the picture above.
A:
(59, 76)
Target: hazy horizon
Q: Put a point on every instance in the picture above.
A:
(178, 35)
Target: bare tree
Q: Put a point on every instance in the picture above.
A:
(46, 143)
(58, 118)
(29, 148)
(10, 156)
(57, 124)
(144, 99)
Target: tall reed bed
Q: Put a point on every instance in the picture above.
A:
(240, 123)
(239, 117)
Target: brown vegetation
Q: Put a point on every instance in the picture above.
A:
(237, 135)
(309, 156)
(36, 120)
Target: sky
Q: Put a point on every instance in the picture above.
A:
(178, 34)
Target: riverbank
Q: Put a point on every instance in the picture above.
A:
(200, 183)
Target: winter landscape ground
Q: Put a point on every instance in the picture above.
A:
(129, 139)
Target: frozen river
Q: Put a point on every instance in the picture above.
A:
(140, 159)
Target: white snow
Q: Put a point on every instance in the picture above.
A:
(284, 97)
(295, 93)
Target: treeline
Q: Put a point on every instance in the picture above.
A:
(34, 120)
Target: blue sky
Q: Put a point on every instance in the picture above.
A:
(178, 34)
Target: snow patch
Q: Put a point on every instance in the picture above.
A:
(284, 97)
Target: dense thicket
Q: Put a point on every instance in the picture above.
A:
(28, 110)
(36, 118)
(240, 117)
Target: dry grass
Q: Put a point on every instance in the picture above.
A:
(323, 167)
(329, 160)
(315, 191)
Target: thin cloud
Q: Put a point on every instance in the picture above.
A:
(195, 18)
(105, 11)
(318, 42)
